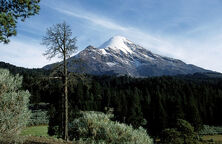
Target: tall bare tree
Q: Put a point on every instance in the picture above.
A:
(59, 42)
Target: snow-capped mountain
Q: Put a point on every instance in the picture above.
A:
(120, 56)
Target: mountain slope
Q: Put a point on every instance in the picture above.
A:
(120, 56)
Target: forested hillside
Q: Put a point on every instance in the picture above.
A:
(154, 103)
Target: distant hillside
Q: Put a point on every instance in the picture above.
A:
(42, 71)
(23, 71)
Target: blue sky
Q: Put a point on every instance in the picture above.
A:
(190, 30)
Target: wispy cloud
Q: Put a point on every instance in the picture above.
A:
(136, 34)
(95, 19)
(155, 43)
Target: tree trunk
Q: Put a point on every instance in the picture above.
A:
(66, 99)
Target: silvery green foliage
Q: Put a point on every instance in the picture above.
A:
(96, 127)
(14, 113)
(210, 130)
(38, 117)
(218, 129)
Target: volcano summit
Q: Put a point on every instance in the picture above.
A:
(120, 56)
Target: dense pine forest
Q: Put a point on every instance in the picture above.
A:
(154, 103)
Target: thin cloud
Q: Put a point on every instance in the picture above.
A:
(148, 41)
(102, 22)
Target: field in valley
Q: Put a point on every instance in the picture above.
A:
(38, 135)
(216, 138)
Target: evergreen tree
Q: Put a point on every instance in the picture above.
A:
(118, 106)
(107, 98)
(11, 11)
(193, 115)
(87, 99)
(96, 90)
(182, 134)
(79, 96)
(159, 116)
(135, 114)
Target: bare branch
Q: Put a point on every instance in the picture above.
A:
(59, 42)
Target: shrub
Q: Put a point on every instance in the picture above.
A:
(38, 117)
(210, 130)
(171, 136)
(14, 113)
(96, 127)
(183, 133)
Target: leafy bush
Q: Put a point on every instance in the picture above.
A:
(96, 127)
(183, 133)
(210, 130)
(218, 129)
(38, 117)
(14, 112)
(171, 136)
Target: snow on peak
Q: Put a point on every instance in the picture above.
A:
(117, 43)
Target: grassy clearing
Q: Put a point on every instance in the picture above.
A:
(36, 131)
(44, 140)
(39, 135)
(217, 138)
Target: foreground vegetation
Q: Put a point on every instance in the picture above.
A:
(210, 130)
(14, 112)
(96, 127)
(88, 127)
(154, 103)
(150, 102)
(213, 138)
(92, 127)
(38, 135)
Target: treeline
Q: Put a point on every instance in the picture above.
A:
(154, 103)
(25, 72)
